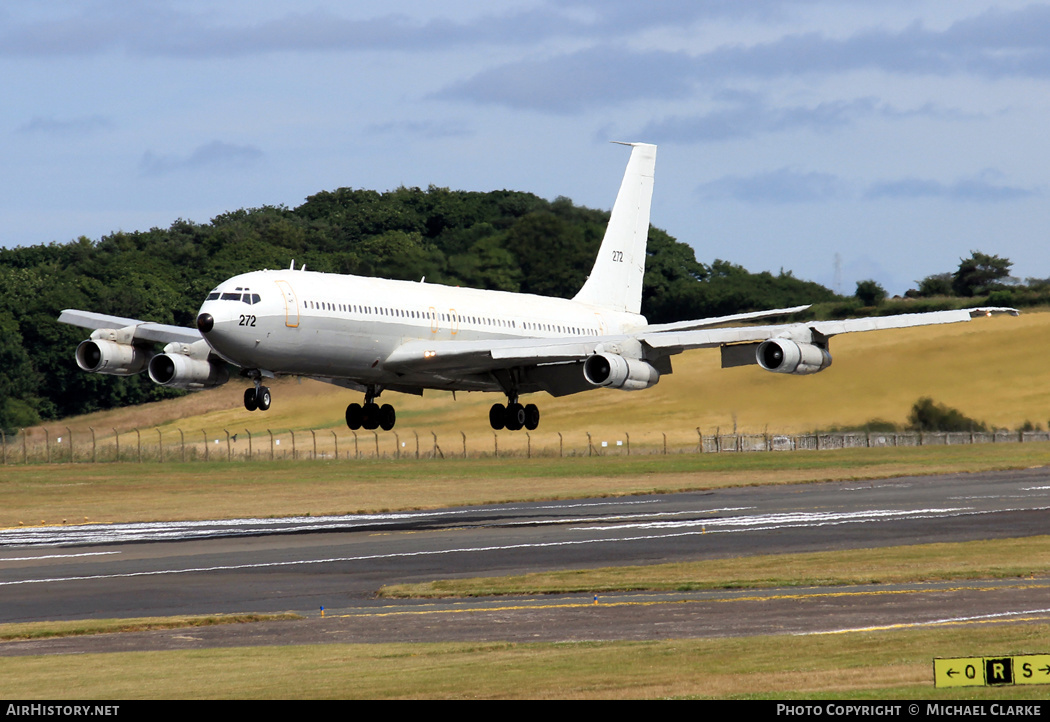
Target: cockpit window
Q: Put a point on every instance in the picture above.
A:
(231, 297)
(213, 296)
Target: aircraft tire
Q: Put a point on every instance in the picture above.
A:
(354, 416)
(532, 416)
(387, 417)
(515, 417)
(250, 402)
(370, 416)
(497, 416)
(262, 398)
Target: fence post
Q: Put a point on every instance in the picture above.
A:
(138, 436)
(335, 440)
(416, 434)
(495, 445)
(665, 444)
(47, 443)
(271, 443)
(437, 449)
(4, 437)
(249, 444)
(206, 452)
(628, 442)
(25, 451)
(528, 442)
(376, 434)
(229, 450)
(116, 438)
(561, 446)
(160, 446)
(397, 445)
(464, 443)
(314, 435)
(70, 432)
(589, 445)
(357, 453)
(294, 455)
(182, 442)
(92, 444)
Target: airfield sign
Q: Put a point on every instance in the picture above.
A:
(991, 671)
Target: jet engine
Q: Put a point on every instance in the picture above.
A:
(183, 372)
(614, 371)
(788, 357)
(188, 366)
(109, 357)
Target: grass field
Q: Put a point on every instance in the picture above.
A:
(108, 493)
(862, 665)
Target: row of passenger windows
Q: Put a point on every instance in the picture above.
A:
(448, 317)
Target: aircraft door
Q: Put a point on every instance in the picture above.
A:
(291, 305)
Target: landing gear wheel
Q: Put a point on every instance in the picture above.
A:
(370, 414)
(262, 398)
(515, 417)
(532, 416)
(249, 400)
(498, 416)
(354, 416)
(387, 417)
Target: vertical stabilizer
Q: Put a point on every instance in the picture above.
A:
(616, 279)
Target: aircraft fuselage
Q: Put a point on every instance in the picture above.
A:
(344, 327)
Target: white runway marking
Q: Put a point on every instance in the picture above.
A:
(56, 556)
(797, 520)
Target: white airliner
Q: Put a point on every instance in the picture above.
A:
(373, 335)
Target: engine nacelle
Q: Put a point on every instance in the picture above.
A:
(787, 357)
(109, 357)
(608, 369)
(183, 372)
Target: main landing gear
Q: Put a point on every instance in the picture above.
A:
(514, 416)
(371, 415)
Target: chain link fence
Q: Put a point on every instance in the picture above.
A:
(48, 445)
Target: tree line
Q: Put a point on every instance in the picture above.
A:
(504, 240)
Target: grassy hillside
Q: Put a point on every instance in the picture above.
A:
(992, 369)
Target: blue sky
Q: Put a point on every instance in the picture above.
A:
(885, 139)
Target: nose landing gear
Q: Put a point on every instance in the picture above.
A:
(257, 398)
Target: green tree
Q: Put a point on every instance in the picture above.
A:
(979, 274)
(870, 293)
(928, 415)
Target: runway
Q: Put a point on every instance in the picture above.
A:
(338, 563)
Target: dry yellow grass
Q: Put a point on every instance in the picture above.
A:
(886, 665)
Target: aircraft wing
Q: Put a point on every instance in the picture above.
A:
(474, 356)
(719, 320)
(650, 343)
(142, 330)
(675, 342)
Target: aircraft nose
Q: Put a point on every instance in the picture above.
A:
(205, 322)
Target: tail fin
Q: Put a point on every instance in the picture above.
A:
(616, 279)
